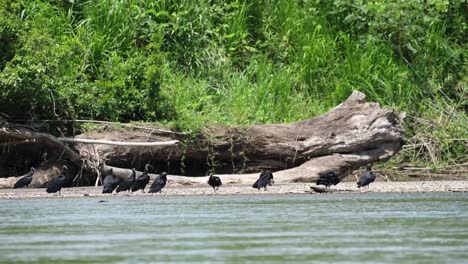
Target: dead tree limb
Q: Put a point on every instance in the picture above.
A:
(118, 143)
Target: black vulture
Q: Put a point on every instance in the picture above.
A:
(57, 183)
(142, 180)
(266, 178)
(367, 177)
(328, 178)
(25, 179)
(127, 184)
(158, 183)
(214, 182)
(110, 182)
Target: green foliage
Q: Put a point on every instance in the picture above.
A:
(194, 63)
(31, 77)
(8, 40)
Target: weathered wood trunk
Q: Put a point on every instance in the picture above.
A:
(349, 136)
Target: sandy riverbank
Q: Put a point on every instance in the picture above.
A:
(233, 189)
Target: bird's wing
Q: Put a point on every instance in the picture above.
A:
(116, 180)
(61, 181)
(22, 182)
(55, 185)
(143, 179)
(263, 181)
(124, 185)
(158, 184)
(215, 181)
(365, 179)
(255, 185)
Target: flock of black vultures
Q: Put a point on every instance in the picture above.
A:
(133, 183)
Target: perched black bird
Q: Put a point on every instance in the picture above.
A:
(328, 178)
(127, 184)
(110, 183)
(266, 178)
(57, 183)
(142, 180)
(367, 177)
(158, 183)
(214, 182)
(25, 179)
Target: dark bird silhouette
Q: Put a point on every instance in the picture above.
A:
(142, 180)
(266, 178)
(214, 182)
(367, 177)
(127, 184)
(57, 183)
(25, 179)
(158, 183)
(110, 182)
(328, 178)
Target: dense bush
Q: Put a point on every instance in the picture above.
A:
(189, 63)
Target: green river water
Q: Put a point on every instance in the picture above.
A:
(328, 228)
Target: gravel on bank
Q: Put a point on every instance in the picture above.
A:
(176, 189)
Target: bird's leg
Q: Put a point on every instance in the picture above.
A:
(143, 190)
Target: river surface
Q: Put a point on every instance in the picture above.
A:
(328, 228)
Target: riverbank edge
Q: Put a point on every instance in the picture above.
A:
(176, 189)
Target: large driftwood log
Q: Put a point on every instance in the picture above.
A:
(349, 136)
